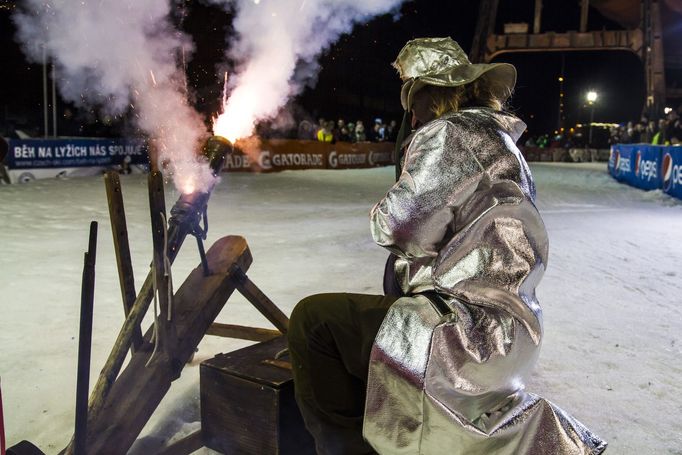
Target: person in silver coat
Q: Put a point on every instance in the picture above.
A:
(441, 368)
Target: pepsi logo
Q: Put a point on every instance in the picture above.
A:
(667, 171)
(614, 160)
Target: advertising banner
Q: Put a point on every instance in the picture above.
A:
(284, 154)
(671, 171)
(75, 152)
(647, 163)
(621, 162)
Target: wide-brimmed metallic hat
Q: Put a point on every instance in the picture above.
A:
(442, 62)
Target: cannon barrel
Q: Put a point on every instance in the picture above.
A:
(188, 211)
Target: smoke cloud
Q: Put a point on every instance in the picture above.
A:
(121, 54)
(278, 42)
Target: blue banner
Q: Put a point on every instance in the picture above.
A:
(671, 171)
(76, 152)
(621, 163)
(647, 163)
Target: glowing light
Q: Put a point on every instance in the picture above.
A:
(561, 79)
(188, 187)
(239, 114)
(667, 110)
(591, 96)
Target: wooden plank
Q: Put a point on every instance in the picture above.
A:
(139, 388)
(4, 175)
(262, 303)
(242, 332)
(124, 264)
(85, 342)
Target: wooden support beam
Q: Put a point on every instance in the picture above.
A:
(261, 301)
(139, 389)
(124, 264)
(537, 19)
(242, 333)
(584, 8)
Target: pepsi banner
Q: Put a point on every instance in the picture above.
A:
(671, 171)
(621, 163)
(650, 167)
(77, 152)
(647, 164)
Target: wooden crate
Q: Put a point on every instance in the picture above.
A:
(248, 405)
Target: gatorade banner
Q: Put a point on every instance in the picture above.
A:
(287, 154)
(671, 171)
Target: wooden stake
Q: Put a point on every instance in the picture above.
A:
(85, 343)
(119, 230)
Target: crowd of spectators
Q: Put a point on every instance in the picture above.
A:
(342, 131)
(666, 130)
(663, 131)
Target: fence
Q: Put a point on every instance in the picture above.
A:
(649, 167)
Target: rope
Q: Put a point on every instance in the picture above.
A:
(166, 274)
(167, 267)
(155, 329)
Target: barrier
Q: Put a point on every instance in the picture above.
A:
(649, 167)
(671, 171)
(29, 159)
(284, 154)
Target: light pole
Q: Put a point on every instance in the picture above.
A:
(591, 99)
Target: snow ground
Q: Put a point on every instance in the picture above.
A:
(611, 295)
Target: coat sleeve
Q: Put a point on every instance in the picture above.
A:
(440, 172)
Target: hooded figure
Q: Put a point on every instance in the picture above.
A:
(444, 366)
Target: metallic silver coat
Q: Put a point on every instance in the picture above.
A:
(463, 222)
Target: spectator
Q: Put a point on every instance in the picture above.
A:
(660, 137)
(306, 130)
(325, 133)
(342, 133)
(351, 131)
(378, 131)
(392, 131)
(360, 135)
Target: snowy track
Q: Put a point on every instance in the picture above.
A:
(612, 295)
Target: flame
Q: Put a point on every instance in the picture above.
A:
(239, 113)
(187, 186)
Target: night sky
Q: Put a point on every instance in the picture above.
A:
(356, 80)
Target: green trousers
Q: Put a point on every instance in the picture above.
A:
(330, 340)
